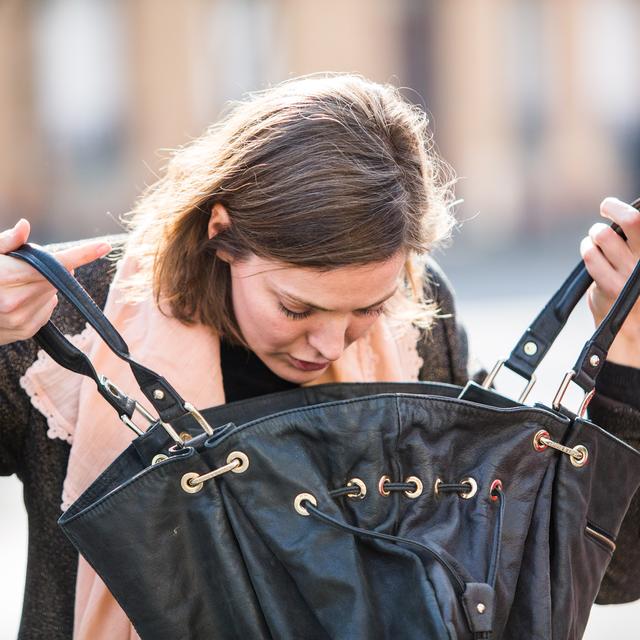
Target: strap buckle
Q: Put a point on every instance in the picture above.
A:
(488, 381)
(564, 385)
(116, 392)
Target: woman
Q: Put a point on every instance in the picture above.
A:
(286, 246)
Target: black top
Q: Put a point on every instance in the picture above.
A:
(244, 375)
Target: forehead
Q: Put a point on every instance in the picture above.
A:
(351, 287)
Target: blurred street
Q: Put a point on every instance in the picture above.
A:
(498, 295)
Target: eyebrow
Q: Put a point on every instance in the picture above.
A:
(304, 303)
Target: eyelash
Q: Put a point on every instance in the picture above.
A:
(305, 314)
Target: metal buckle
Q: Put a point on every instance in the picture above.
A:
(115, 391)
(199, 418)
(564, 385)
(488, 381)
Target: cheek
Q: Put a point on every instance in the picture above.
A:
(263, 327)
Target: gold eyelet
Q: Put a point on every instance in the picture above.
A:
(299, 499)
(417, 491)
(581, 461)
(436, 486)
(244, 461)
(381, 490)
(362, 489)
(159, 457)
(472, 492)
(537, 444)
(185, 483)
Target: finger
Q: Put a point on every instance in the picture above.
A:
(614, 248)
(21, 319)
(14, 271)
(608, 280)
(83, 254)
(11, 239)
(627, 217)
(41, 316)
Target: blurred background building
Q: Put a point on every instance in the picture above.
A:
(534, 103)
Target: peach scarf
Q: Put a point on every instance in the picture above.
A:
(189, 357)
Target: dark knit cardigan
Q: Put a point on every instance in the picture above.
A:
(40, 462)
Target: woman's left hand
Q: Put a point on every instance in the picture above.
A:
(610, 261)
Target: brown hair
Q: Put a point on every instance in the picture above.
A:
(318, 172)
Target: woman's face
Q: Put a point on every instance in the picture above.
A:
(299, 320)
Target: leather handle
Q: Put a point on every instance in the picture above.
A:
(164, 398)
(536, 341)
(594, 354)
(70, 357)
(72, 290)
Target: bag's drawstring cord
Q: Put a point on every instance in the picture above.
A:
(306, 504)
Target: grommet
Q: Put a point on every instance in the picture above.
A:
(244, 461)
(159, 457)
(530, 348)
(472, 492)
(538, 445)
(417, 491)
(480, 607)
(299, 499)
(594, 360)
(362, 489)
(581, 461)
(436, 486)
(381, 490)
(185, 436)
(158, 394)
(185, 483)
(495, 485)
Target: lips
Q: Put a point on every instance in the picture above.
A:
(304, 365)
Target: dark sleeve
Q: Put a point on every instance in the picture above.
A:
(615, 408)
(15, 358)
(444, 349)
(621, 383)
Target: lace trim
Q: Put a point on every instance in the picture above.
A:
(34, 383)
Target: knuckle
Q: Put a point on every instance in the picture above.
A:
(9, 304)
(602, 234)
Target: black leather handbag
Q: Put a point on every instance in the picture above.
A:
(357, 511)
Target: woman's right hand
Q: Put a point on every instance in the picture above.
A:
(27, 300)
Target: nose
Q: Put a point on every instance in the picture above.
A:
(329, 338)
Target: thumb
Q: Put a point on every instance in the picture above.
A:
(11, 239)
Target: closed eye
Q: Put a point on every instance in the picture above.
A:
(294, 315)
(371, 311)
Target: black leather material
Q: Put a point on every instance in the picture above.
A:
(67, 355)
(243, 563)
(236, 560)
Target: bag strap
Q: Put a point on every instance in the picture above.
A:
(591, 360)
(165, 399)
(536, 341)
